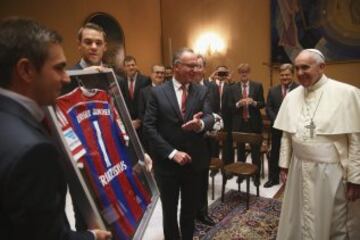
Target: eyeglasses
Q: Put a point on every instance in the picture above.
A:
(190, 65)
(158, 72)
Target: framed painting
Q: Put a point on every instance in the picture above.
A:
(331, 26)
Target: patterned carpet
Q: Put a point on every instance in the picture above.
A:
(235, 223)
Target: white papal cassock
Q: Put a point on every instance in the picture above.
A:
(321, 149)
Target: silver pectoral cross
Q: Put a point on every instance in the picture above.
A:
(311, 127)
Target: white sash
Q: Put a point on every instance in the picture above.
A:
(316, 152)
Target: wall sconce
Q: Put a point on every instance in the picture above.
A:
(209, 43)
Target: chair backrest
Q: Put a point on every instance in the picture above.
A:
(251, 138)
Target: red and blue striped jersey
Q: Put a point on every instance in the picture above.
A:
(97, 140)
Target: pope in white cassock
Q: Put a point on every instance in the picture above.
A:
(319, 155)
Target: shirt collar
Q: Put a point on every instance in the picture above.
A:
(318, 84)
(134, 77)
(247, 83)
(84, 64)
(26, 102)
(177, 84)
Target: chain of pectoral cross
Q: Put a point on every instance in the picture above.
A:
(311, 126)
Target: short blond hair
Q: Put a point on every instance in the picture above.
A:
(244, 67)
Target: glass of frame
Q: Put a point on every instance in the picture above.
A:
(110, 184)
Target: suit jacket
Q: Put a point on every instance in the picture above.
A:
(143, 99)
(226, 110)
(132, 104)
(32, 182)
(162, 127)
(256, 92)
(275, 99)
(214, 96)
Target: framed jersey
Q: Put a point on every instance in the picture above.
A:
(110, 184)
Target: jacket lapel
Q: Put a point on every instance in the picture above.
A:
(251, 89)
(171, 96)
(191, 101)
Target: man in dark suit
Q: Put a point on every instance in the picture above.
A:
(222, 78)
(32, 181)
(131, 86)
(274, 100)
(157, 77)
(246, 100)
(212, 146)
(178, 114)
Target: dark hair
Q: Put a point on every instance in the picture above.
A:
(179, 53)
(23, 38)
(129, 58)
(221, 66)
(93, 26)
(156, 65)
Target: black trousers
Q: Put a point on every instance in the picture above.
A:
(186, 183)
(255, 149)
(274, 155)
(202, 208)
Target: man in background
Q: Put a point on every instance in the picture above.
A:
(222, 78)
(212, 146)
(157, 77)
(168, 73)
(91, 45)
(274, 100)
(131, 86)
(32, 181)
(246, 99)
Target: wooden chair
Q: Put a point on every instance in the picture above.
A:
(216, 164)
(240, 169)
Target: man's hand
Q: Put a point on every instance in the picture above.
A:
(137, 168)
(182, 158)
(283, 174)
(194, 124)
(148, 162)
(101, 234)
(136, 123)
(353, 191)
(245, 102)
(97, 68)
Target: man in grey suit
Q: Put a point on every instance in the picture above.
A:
(274, 100)
(178, 114)
(32, 181)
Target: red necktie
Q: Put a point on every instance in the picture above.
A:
(131, 88)
(183, 99)
(245, 113)
(221, 89)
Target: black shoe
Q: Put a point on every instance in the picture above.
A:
(205, 219)
(270, 183)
